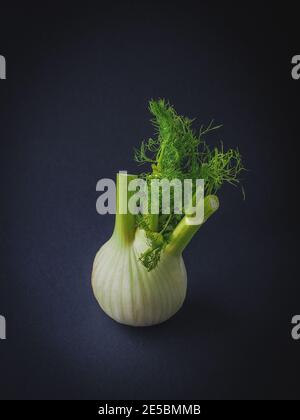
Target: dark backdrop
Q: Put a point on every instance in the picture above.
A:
(72, 109)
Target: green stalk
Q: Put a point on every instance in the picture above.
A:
(184, 232)
(124, 222)
(153, 222)
(152, 219)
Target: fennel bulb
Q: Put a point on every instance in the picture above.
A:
(130, 294)
(139, 277)
(124, 288)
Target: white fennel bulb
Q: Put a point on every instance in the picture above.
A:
(139, 276)
(124, 288)
(129, 293)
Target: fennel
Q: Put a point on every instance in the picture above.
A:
(139, 277)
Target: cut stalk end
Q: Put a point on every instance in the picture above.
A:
(184, 231)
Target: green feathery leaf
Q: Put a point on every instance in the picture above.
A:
(178, 152)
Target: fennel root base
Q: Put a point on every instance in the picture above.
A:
(131, 295)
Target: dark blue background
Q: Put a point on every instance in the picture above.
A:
(72, 109)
